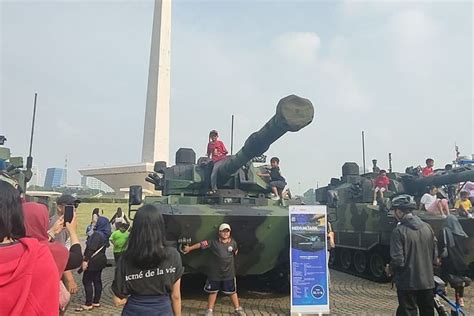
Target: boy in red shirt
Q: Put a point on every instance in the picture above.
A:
(381, 185)
(428, 170)
(217, 152)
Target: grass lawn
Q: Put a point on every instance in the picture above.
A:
(84, 214)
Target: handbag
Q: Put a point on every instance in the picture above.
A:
(64, 296)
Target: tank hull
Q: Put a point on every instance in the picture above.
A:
(362, 237)
(261, 232)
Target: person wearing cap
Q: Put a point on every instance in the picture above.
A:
(62, 236)
(413, 252)
(221, 274)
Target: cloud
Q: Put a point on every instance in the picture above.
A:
(415, 39)
(298, 46)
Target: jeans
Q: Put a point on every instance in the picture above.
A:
(409, 302)
(215, 170)
(92, 282)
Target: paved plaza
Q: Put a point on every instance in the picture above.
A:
(350, 295)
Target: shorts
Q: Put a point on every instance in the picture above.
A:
(377, 189)
(227, 287)
(278, 184)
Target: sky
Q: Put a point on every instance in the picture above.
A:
(402, 72)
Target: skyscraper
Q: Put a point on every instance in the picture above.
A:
(55, 177)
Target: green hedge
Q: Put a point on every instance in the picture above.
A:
(103, 199)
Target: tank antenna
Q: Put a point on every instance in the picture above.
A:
(29, 159)
(232, 135)
(389, 162)
(363, 152)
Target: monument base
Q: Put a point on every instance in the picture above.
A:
(119, 177)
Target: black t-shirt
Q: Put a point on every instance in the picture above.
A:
(130, 280)
(275, 174)
(222, 268)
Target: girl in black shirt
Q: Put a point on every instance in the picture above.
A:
(148, 275)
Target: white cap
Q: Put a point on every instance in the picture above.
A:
(224, 226)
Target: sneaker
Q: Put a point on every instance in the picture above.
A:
(209, 312)
(443, 216)
(240, 312)
(469, 215)
(374, 203)
(275, 198)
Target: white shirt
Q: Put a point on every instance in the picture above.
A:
(428, 199)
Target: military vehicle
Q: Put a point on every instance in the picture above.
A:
(362, 231)
(259, 224)
(13, 166)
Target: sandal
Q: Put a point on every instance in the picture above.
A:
(84, 308)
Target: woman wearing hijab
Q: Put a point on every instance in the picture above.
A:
(36, 224)
(451, 250)
(94, 262)
(29, 279)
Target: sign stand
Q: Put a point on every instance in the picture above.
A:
(309, 275)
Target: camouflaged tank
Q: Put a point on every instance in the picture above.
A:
(13, 166)
(362, 231)
(259, 224)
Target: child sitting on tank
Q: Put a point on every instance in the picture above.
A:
(381, 185)
(432, 204)
(463, 205)
(277, 182)
(217, 152)
(221, 274)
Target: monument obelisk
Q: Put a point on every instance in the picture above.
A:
(157, 113)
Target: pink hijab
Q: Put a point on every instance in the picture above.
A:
(36, 224)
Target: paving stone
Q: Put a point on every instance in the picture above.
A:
(349, 295)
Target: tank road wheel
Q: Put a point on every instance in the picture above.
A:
(346, 259)
(360, 261)
(377, 266)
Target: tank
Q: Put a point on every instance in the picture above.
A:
(12, 165)
(363, 231)
(259, 224)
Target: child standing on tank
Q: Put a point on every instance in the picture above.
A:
(277, 182)
(217, 152)
(221, 274)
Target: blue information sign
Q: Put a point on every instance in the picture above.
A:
(308, 257)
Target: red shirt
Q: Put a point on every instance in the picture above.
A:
(217, 150)
(382, 182)
(29, 280)
(427, 171)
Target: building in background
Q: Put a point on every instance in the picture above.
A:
(95, 184)
(55, 177)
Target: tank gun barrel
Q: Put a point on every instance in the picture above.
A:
(462, 174)
(292, 114)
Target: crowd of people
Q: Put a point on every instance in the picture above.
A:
(415, 251)
(39, 254)
(457, 198)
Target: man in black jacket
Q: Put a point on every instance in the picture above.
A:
(413, 252)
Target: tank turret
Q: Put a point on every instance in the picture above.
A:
(187, 178)
(13, 166)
